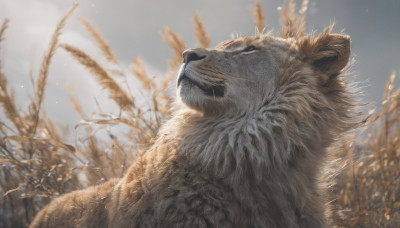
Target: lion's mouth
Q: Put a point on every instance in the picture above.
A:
(216, 91)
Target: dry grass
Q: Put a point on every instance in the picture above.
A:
(44, 68)
(293, 25)
(116, 93)
(258, 14)
(6, 98)
(368, 190)
(100, 41)
(36, 166)
(177, 45)
(202, 37)
(139, 70)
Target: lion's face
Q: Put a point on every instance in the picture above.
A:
(236, 75)
(241, 74)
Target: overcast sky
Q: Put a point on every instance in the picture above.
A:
(132, 28)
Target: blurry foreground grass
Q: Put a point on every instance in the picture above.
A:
(36, 166)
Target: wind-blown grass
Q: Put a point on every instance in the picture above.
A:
(202, 37)
(36, 165)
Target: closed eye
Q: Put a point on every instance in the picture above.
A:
(249, 49)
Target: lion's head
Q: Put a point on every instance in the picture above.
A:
(244, 73)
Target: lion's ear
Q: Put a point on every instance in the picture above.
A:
(329, 53)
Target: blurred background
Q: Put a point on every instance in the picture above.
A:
(132, 28)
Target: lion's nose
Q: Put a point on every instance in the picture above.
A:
(191, 55)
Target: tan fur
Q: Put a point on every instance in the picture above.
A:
(83, 208)
(249, 158)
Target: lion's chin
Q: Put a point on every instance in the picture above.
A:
(194, 98)
(214, 91)
(191, 95)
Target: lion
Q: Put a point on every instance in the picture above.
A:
(245, 147)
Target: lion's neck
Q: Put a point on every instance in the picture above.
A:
(238, 147)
